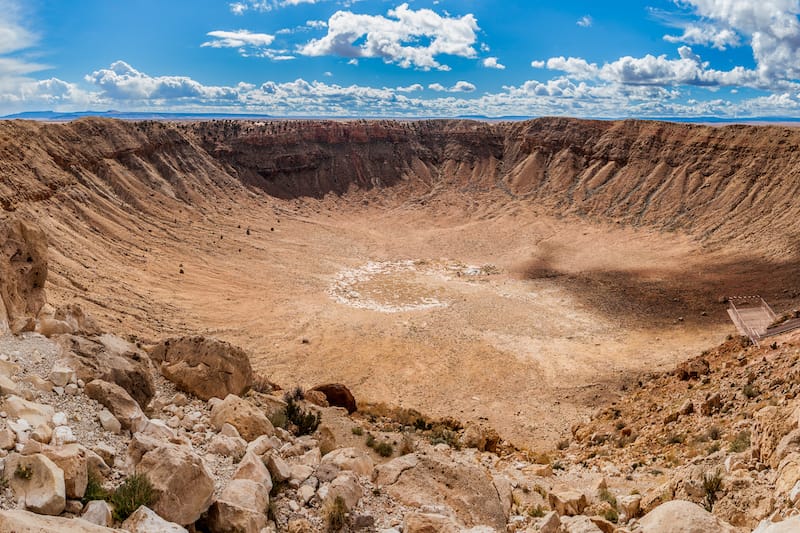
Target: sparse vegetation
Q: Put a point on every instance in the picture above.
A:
(382, 448)
(134, 492)
(303, 422)
(23, 471)
(750, 391)
(712, 483)
(357, 430)
(714, 433)
(741, 442)
(536, 511)
(676, 438)
(606, 495)
(611, 515)
(442, 435)
(94, 489)
(335, 513)
(262, 385)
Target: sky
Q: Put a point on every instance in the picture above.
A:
(414, 58)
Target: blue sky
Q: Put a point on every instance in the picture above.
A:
(660, 58)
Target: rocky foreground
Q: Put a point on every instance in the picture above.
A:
(103, 433)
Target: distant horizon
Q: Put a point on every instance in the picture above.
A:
(56, 117)
(687, 59)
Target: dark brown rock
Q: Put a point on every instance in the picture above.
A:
(205, 367)
(338, 396)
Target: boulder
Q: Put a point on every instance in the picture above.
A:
(71, 459)
(205, 367)
(49, 327)
(18, 521)
(790, 525)
(109, 422)
(337, 395)
(145, 520)
(429, 523)
(182, 482)
(680, 516)
(567, 502)
(112, 359)
(419, 480)
(278, 468)
(248, 420)
(347, 487)
(23, 272)
(227, 446)
(240, 508)
(550, 523)
(37, 483)
(33, 413)
(579, 524)
(74, 315)
(118, 401)
(252, 468)
(351, 459)
(98, 512)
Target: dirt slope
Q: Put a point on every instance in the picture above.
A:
(604, 247)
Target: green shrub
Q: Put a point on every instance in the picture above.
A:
(611, 515)
(536, 511)
(23, 472)
(607, 496)
(442, 435)
(94, 489)
(714, 433)
(134, 492)
(357, 430)
(384, 449)
(335, 514)
(712, 483)
(303, 422)
(750, 391)
(741, 442)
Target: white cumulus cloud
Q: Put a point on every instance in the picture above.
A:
(459, 87)
(238, 39)
(122, 82)
(398, 38)
(492, 62)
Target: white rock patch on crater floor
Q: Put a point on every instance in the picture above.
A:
(390, 286)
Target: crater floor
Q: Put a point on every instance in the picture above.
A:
(497, 314)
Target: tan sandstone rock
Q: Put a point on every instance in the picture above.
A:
(248, 420)
(145, 520)
(37, 483)
(429, 523)
(680, 516)
(118, 402)
(351, 459)
(467, 489)
(112, 359)
(207, 368)
(240, 508)
(172, 469)
(19, 521)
